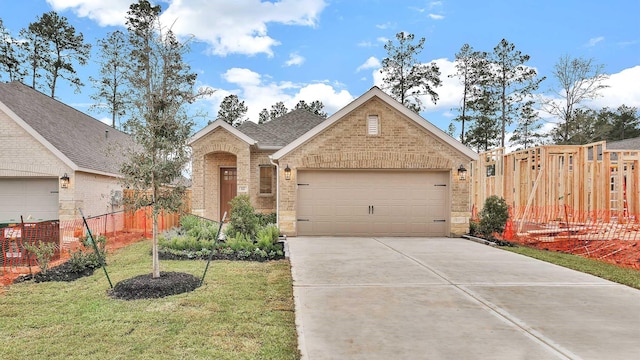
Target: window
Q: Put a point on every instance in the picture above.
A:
(266, 179)
(373, 125)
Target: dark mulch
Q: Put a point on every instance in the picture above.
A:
(147, 287)
(62, 272)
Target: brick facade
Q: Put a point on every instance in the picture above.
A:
(400, 144)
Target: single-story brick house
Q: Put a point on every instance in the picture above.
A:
(374, 168)
(55, 159)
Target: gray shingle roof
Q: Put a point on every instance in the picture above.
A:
(81, 138)
(283, 130)
(626, 144)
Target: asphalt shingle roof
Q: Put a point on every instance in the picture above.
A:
(626, 144)
(87, 142)
(282, 130)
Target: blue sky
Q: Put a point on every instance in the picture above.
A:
(330, 50)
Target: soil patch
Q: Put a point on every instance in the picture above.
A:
(147, 287)
(63, 272)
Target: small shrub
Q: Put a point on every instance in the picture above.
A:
(493, 217)
(267, 238)
(86, 256)
(474, 227)
(243, 218)
(266, 219)
(240, 242)
(43, 252)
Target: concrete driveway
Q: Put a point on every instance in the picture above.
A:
(441, 298)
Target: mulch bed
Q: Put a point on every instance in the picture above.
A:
(58, 273)
(147, 287)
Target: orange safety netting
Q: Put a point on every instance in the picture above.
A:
(610, 236)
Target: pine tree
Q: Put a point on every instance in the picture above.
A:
(232, 110)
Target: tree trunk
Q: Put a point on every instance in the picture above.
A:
(154, 251)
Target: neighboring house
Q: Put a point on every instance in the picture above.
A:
(374, 168)
(55, 159)
(626, 144)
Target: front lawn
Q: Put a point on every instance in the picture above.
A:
(244, 310)
(601, 269)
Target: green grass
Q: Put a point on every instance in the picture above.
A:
(629, 277)
(244, 310)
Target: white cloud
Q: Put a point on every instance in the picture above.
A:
(365, 44)
(371, 63)
(436, 16)
(260, 92)
(384, 26)
(294, 59)
(382, 39)
(594, 41)
(238, 26)
(623, 89)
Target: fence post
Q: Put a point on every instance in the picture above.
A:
(95, 248)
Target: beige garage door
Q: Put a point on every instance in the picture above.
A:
(373, 203)
(34, 199)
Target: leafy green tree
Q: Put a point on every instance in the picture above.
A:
(586, 126)
(162, 85)
(578, 80)
(405, 78)
(111, 87)
(65, 46)
(232, 110)
(468, 64)
(514, 82)
(10, 57)
(624, 123)
(315, 107)
(278, 109)
(493, 217)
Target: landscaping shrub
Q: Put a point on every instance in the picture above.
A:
(86, 256)
(43, 252)
(266, 219)
(493, 217)
(243, 218)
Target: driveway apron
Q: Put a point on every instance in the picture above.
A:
(448, 298)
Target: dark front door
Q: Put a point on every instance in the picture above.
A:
(228, 189)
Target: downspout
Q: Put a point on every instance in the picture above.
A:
(277, 191)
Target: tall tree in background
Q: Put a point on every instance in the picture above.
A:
(263, 116)
(468, 62)
(35, 53)
(578, 79)
(232, 110)
(65, 46)
(10, 57)
(111, 87)
(162, 84)
(405, 78)
(315, 107)
(514, 81)
(278, 109)
(484, 132)
(624, 123)
(527, 132)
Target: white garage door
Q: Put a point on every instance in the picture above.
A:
(34, 199)
(373, 203)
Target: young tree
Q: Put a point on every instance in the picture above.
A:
(514, 81)
(65, 46)
(405, 78)
(315, 107)
(10, 57)
(232, 110)
(468, 62)
(162, 85)
(578, 80)
(111, 87)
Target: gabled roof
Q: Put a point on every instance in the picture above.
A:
(271, 135)
(376, 92)
(80, 141)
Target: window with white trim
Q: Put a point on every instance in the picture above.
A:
(266, 179)
(373, 125)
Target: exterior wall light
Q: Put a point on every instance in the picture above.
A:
(64, 181)
(287, 173)
(462, 172)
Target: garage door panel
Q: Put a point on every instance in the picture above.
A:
(405, 203)
(32, 198)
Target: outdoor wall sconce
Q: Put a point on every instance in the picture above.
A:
(64, 181)
(462, 172)
(287, 173)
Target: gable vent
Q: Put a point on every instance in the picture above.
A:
(373, 126)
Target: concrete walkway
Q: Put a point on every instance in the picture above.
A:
(441, 298)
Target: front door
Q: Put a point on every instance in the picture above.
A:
(228, 189)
